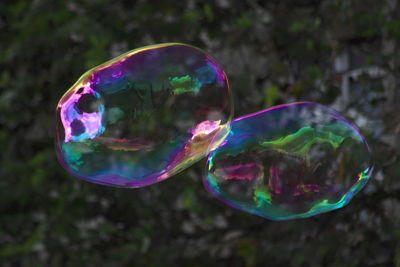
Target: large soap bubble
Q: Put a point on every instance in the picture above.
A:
(143, 116)
(290, 161)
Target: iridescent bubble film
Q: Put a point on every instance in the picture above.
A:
(290, 161)
(143, 116)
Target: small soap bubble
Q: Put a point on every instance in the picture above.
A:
(289, 161)
(143, 116)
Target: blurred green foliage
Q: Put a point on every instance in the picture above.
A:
(342, 53)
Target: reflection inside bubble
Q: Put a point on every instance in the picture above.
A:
(290, 161)
(144, 116)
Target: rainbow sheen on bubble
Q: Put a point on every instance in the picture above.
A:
(289, 161)
(143, 116)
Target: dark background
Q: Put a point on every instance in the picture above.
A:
(341, 53)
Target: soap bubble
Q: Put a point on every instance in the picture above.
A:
(143, 116)
(289, 161)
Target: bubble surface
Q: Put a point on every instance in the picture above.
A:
(143, 116)
(289, 161)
